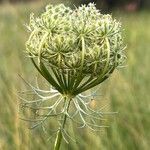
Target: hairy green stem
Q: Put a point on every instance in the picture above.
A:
(64, 118)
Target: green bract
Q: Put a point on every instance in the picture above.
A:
(76, 49)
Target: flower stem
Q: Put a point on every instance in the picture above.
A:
(64, 118)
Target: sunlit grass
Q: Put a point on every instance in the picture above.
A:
(129, 129)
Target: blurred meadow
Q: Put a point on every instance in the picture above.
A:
(126, 92)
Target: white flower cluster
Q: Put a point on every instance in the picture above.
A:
(74, 50)
(80, 42)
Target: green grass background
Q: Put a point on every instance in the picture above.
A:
(127, 91)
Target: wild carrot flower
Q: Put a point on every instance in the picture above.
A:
(74, 50)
